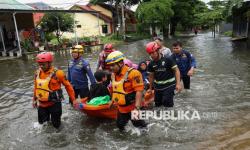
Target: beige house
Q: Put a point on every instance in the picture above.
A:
(91, 24)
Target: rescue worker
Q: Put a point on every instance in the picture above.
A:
(47, 90)
(164, 76)
(186, 63)
(166, 52)
(78, 71)
(102, 65)
(127, 87)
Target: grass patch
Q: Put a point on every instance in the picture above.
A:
(177, 33)
(228, 33)
(114, 39)
(118, 39)
(54, 41)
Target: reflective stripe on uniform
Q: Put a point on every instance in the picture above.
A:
(166, 81)
(174, 66)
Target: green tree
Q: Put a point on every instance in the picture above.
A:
(117, 5)
(155, 13)
(117, 2)
(213, 16)
(199, 8)
(58, 22)
(228, 8)
(184, 11)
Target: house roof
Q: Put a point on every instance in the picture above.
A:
(13, 5)
(112, 8)
(40, 5)
(100, 15)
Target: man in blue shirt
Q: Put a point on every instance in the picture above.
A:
(78, 71)
(185, 61)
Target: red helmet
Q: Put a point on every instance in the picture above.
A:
(152, 47)
(108, 47)
(44, 57)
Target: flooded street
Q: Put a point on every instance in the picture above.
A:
(220, 92)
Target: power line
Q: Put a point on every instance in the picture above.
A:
(45, 3)
(84, 1)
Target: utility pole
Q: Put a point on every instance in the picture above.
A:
(123, 21)
(58, 27)
(17, 36)
(76, 40)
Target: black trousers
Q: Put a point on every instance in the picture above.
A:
(81, 93)
(84, 92)
(186, 81)
(52, 113)
(123, 118)
(165, 97)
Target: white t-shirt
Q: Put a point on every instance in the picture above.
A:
(166, 52)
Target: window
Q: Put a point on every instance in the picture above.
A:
(104, 29)
(78, 26)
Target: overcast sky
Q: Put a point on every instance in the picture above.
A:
(61, 3)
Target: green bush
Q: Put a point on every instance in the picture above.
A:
(114, 39)
(54, 41)
(228, 33)
(85, 39)
(49, 36)
(27, 45)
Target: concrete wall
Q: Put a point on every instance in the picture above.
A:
(89, 26)
(224, 27)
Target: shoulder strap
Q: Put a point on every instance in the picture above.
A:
(37, 73)
(127, 73)
(53, 75)
(113, 77)
(125, 76)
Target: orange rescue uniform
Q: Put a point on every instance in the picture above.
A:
(54, 85)
(134, 83)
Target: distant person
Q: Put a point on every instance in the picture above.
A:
(102, 65)
(142, 67)
(154, 35)
(195, 31)
(166, 52)
(185, 61)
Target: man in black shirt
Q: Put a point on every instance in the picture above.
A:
(164, 76)
(99, 88)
